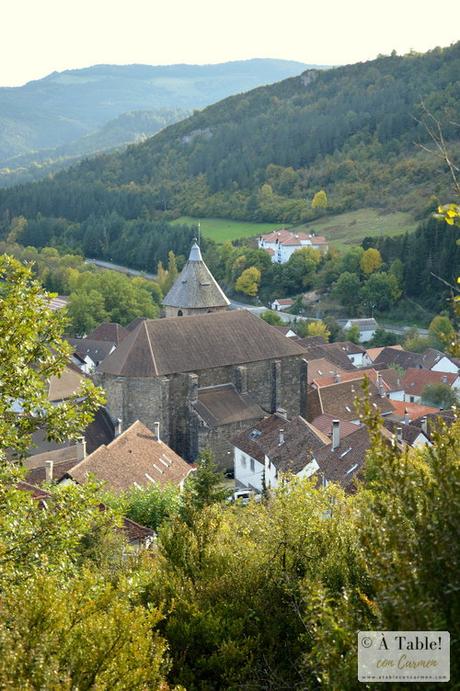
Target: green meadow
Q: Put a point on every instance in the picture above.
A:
(340, 230)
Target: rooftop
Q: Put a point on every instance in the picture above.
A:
(166, 346)
(223, 405)
(136, 458)
(108, 331)
(299, 441)
(196, 287)
(415, 380)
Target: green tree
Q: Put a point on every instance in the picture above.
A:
(381, 290)
(347, 290)
(31, 351)
(86, 311)
(353, 334)
(440, 395)
(149, 506)
(442, 332)
(272, 318)
(249, 281)
(205, 486)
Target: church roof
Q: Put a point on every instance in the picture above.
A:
(167, 346)
(195, 287)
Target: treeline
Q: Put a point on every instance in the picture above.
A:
(139, 243)
(262, 155)
(427, 259)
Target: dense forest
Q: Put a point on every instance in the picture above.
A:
(262, 155)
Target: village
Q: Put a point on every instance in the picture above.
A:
(266, 403)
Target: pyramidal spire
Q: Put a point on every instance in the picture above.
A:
(195, 252)
(195, 290)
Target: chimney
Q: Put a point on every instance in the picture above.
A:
(337, 378)
(281, 437)
(406, 417)
(81, 448)
(282, 413)
(49, 471)
(399, 434)
(335, 434)
(425, 424)
(118, 426)
(156, 430)
(380, 385)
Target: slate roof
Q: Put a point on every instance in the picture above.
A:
(108, 331)
(343, 464)
(364, 324)
(135, 322)
(196, 287)
(400, 358)
(373, 353)
(435, 418)
(223, 405)
(431, 357)
(96, 350)
(301, 441)
(409, 432)
(167, 346)
(317, 351)
(338, 400)
(415, 380)
(324, 368)
(347, 347)
(135, 457)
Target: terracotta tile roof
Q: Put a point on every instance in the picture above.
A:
(37, 474)
(323, 369)
(284, 301)
(133, 458)
(434, 419)
(415, 380)
(287, 237)
(389, 378)
(338, 400)
(135, 322)
(108, 331)
(335, 357)
(299, 442)
(165, 346)
(223, 405)
(324, 424)
(414, 410)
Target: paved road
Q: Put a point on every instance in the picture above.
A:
(121, 269)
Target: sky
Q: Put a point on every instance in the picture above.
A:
(42, 36)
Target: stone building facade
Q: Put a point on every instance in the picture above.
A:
(204, 378)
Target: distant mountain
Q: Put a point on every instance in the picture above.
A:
(352, 131)
(41, 119)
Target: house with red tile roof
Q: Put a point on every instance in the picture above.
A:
(281, 244)
(415, 380)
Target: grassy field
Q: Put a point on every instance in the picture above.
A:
(341, 230)
(222, 229)
(351, 227)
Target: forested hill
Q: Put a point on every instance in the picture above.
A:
(261, 155)
(49, 119)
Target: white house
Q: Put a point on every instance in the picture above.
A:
(282, 304)
(281, 244)
(367, 328)
(275, 446)
(415, 380)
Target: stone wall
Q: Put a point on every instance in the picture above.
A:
(273, 384)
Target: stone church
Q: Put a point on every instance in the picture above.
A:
(205, 373)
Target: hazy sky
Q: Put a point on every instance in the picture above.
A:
(40, 36)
